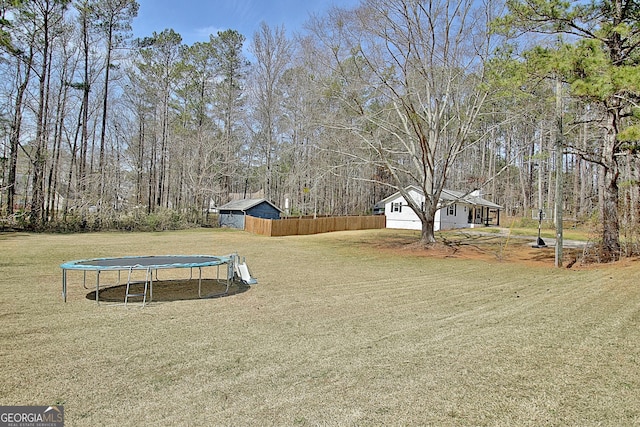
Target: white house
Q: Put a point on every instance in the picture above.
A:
(457, 210)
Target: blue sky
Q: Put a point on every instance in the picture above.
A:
(194, 20)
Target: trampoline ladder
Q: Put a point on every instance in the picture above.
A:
(144, 292)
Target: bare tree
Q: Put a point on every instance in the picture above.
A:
(114, 18)
(23, 62)
(49, 15)
(65, 66)
(411, 72)
(272, 50)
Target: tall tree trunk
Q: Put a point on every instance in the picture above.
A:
(52, 183)
(105, 103)
(16, 126)
(559, 190)
(610, 191)
(140, 161)
(84, 125)
(39, 160)
(427, 236)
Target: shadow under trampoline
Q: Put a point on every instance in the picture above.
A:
(171, 290)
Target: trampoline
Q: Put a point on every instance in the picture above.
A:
(151, 265)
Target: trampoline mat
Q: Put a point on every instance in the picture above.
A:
(163, 261)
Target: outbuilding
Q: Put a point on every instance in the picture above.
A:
(233, 213)
(457, 210)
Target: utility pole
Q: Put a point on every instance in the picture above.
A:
(559, 147)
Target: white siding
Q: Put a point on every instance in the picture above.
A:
(454, 216)
(400, 215)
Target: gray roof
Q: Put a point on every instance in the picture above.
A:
(245, 204)
(449, 196)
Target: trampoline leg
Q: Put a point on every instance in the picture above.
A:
(230, 268)
(97, 287)
(64, 285)
(217, 280)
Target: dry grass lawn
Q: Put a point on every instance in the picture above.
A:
(343, 329)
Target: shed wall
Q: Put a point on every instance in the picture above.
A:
(231, 219)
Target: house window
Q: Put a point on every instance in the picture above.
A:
(396, 207)
(451, 210)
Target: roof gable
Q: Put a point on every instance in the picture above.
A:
(397, 194)
(446, 196)
(246, 204)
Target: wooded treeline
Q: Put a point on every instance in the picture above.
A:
(97, 126)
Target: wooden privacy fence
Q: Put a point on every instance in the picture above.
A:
(299, 226)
